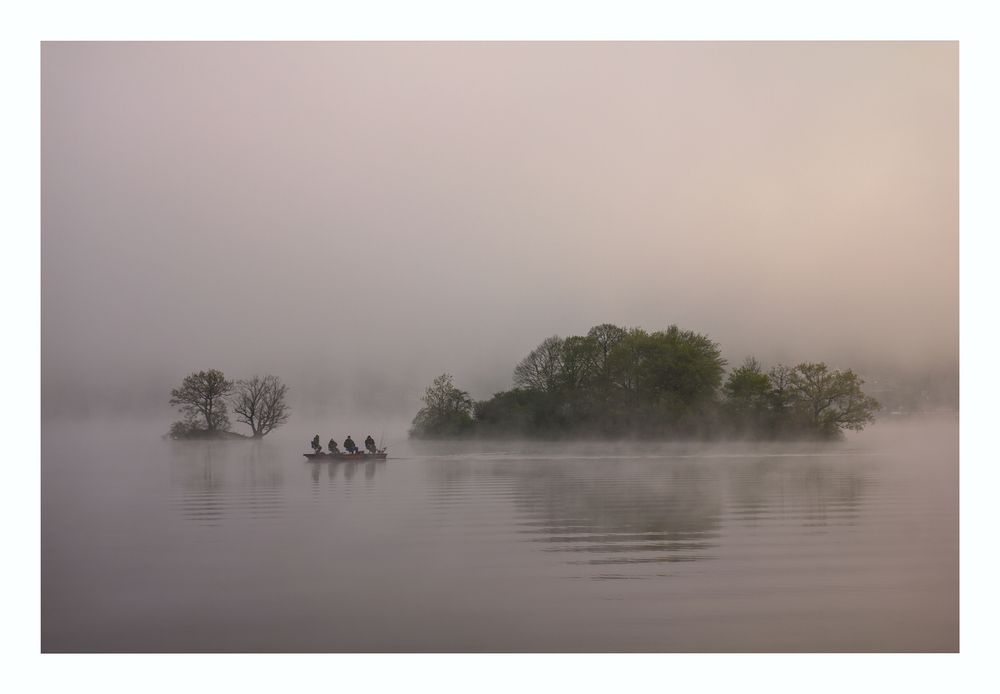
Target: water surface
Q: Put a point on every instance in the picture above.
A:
(154, 545)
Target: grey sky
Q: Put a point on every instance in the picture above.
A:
(337, 212)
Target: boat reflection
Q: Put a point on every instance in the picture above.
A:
(347, 468)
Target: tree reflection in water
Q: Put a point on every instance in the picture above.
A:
(215, 480)
(651, 511)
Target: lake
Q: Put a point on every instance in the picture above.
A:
(156, 545)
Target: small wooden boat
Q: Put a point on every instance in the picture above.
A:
(356, 457)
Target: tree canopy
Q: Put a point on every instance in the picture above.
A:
(610, 381)
(202, 398)
(747, 397)
(542, 369)
(830, 401)
(446, 412)
(615, 381)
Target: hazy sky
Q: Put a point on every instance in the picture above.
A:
(379, 213)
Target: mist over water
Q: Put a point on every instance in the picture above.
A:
(358, 218)
(361, 217)
(157, 545)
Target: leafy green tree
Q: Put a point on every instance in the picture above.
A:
(747, 393)
(625, 360)
(446, 412)
(520, 412)
(830, 401)
(614, 382)
(683, 366)
(202, 396)
(748, 384)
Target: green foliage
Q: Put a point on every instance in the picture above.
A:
(446, 412)
(617, 382)
(611, 382)
(679, 369)
(808, 400)
(747, 386)
(747, 394)
(830, 401)
(519, 412)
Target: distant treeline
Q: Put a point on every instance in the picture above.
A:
(616, 382)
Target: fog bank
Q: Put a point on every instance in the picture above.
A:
(360, 217)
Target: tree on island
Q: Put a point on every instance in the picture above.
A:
(628, 382)
(678, 369)
(446, 412)
(780, 396)
(606, 337)
(808, 400)
(830, 401)
(541, 369)
(748, 398)
(202, 400)
(260, 404)
(609, 382)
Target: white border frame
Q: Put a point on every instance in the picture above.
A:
(25, 26)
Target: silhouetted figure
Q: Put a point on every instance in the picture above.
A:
(370, 444)
(349, 445)
(317, 448)
(333, 446)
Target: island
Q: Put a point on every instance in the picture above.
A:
(618, 382)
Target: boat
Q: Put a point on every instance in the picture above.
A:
(358, 457)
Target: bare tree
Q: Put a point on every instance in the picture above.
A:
(260, 403)
(202, 394)
(541, 369)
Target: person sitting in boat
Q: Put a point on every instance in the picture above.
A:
(370, 444)
(349, 445)
(333, 446)
(315, 444)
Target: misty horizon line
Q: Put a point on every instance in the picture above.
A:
(398, 393)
